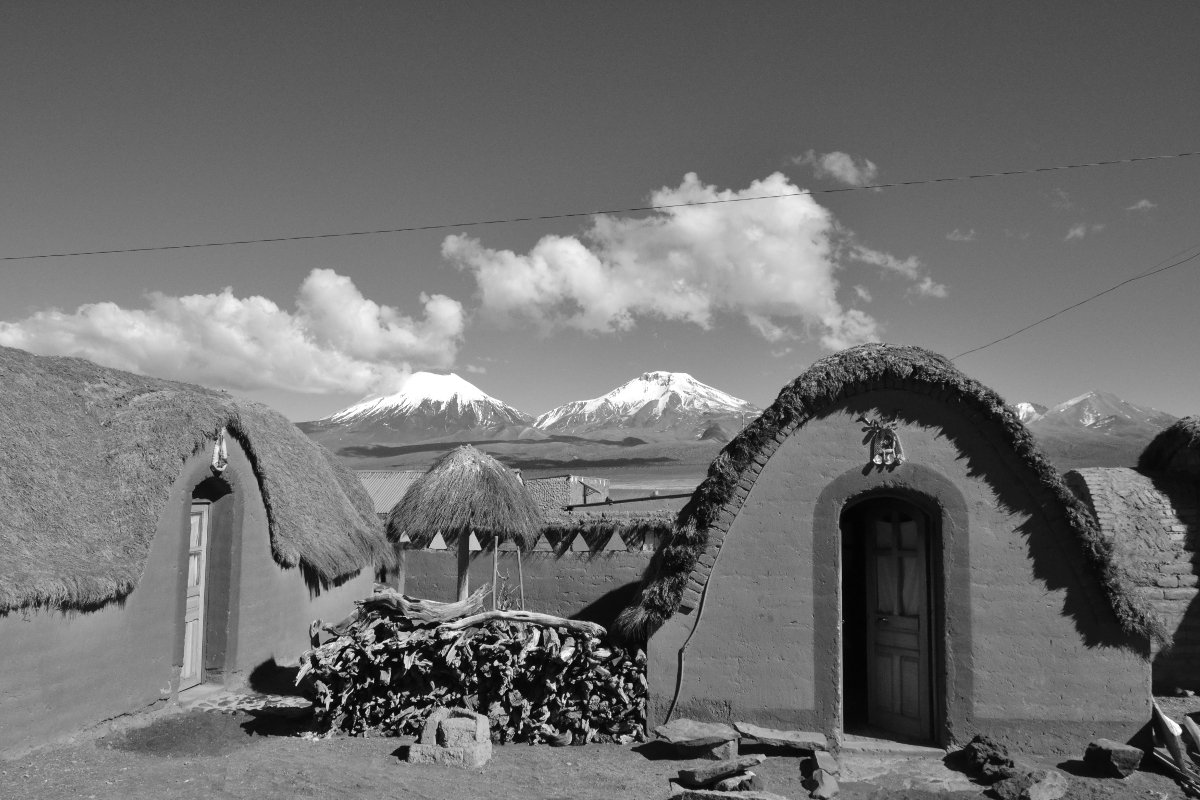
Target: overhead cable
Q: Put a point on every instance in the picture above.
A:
(1152, 271)
(575, 214)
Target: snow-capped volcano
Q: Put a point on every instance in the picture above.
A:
(427, 390)
(1096, 429)
(673, 402)
(428, 406)
(1029, 412)
(1102, 411)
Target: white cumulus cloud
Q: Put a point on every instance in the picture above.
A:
(1142, 205)
(961, 236)
(1082, 229)
(839, 166)
(772, 262)
(335, 340)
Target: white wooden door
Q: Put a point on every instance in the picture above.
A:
(898, 641)
(192, 672)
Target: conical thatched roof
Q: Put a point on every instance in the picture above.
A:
(818, 389)
(1176, 449)
(88, 457)
(467, 492)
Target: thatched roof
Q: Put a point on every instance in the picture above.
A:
(88, 459)
(1176, 449)
(597, 526)
(676, 568)
(466, 492)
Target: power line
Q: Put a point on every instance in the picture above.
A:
(1143, 275)
(575, 214)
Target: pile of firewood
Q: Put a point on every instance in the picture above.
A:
(538, 678)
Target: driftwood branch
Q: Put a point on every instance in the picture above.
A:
(549, 620)
(390, 601)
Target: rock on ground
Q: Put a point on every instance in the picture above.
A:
(1112, 758)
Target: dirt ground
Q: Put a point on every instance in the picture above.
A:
(204, 754)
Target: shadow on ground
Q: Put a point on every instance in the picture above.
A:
(194, 734)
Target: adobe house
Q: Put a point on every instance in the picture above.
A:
(156, 536)
(1150, 516)
(886, 552)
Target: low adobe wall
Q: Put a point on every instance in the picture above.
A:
(1031, 650)
(68, 670)
(585, 585)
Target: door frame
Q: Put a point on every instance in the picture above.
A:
(935, 598)
(194, 650)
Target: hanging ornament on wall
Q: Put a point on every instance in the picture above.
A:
(884, 442)
(220, 456)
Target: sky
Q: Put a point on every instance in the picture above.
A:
(146, 124)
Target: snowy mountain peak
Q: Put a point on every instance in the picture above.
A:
(1104, 410)
(659, 399)
(424, 390)
(1029, 412)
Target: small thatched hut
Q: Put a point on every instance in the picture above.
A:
(885, 549)
(466, 492)
(154, 536)
(1150, 517)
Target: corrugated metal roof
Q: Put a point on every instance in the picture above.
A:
(387, 486)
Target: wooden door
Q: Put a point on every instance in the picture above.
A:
(192, 672)
(898, 617)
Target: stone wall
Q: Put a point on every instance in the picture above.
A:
(1153, 523)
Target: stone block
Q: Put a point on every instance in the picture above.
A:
(1039, 784)
(700, 777)
(683, 793)
(430, 728)
(1112, 758)
(458, 732)
(745, 782)
(797, 740)
(684, 731)
(826, 785)
(724, 751)
(827, 763)
(474, 755)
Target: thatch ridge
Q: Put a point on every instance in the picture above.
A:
(1175, 449)
(601, 527)
(466, 492)
(89, 458)
(821, 386)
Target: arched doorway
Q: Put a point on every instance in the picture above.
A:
(889, 615)
(210, 580)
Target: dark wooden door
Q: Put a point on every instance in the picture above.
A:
(898, 618)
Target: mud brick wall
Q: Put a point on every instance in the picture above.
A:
(65, 671)
(555, 493)
(584, 585)
(1028, 648)
(1153, 523)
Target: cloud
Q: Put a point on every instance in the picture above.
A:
(1142, 205)
(961, 236)
(771, 262)
(863, 293)
(910, 268)
(1061, 200)
(475, 369)
(1079, 230)
(839, 166)
(335, 341)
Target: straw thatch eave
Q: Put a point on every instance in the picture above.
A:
(1176, 449)
(817, 390)
(466, 492)
(90, 456)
